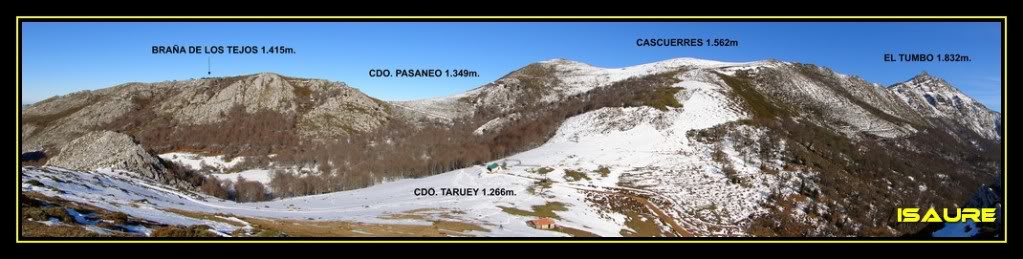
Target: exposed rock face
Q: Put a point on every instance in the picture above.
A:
(343, 115)
(108, 149)
(321, 109)
(208, 103)
(56, 121)
(937, 99)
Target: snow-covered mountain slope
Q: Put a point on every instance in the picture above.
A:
(935, 98)
(551, 80)
(586, 176)
(654, 153)
(762, 148)
(844, 103)
(577, 77)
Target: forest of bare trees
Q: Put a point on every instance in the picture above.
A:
(403, 149)
(397, 149)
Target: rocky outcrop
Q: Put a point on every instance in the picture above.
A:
(321, 109)
(108, 149)
(337, 117)
(209, 101)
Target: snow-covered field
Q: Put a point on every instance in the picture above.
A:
(220, 167)
(258, 175)
(121, 191)
(196, 161)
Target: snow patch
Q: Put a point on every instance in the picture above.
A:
(196, 161)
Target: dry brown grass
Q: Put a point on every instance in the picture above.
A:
(303, 228)
(36, 229)
(424, 214)
(440, 219)
(575, 232)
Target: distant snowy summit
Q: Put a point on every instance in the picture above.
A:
(934, 97)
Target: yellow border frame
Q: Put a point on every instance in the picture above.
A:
(1004, 22)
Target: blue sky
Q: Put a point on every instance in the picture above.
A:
(60, 58)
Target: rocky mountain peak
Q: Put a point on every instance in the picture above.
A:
(934, 97)
(923, 75)
(927, 82)
(936, 90)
